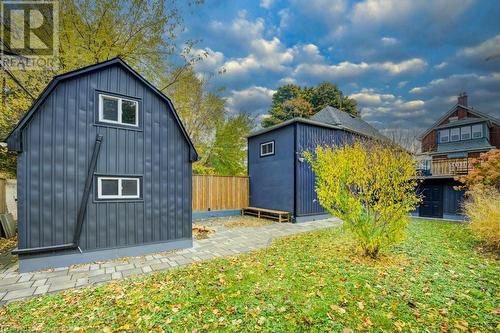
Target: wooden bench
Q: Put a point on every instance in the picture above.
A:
(276, 215)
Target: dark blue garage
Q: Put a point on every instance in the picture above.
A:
(280, 179)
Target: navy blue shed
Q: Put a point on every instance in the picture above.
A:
(104, 170)
(280, 178)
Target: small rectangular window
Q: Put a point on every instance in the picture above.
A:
(465, 133)
(118, 187)
(444, 136)
(455, 134)
(267, 148)
(118, 110)
(477, 131)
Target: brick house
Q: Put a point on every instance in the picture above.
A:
(448, 147)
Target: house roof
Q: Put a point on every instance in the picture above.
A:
(461, 122)
(466, 145)
(333, 118)
(14, 137)
(288, 122)
(469, 109)
(344, 120)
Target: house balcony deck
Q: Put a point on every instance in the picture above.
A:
(446, 167)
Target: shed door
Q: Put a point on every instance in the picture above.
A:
(432, 204)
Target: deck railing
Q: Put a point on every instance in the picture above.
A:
(447, 167)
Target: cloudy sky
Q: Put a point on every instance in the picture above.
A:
(404, 61)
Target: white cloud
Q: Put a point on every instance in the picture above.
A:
(254, 100)
(348, 69)
(327, 14)
(307, 53)
(261, 53)
(384, 102)
(389, 41)
(326, 8)
(441, 65)
(370, 97)
(240, 66)
(268, 55)
(271, 53)
(486, 50)
(284, 15)
(387, 12)
(241, 29)
(456, 83)
(288, 80)
(210, 60)
(386, 110)
(411, 65)
(266, 3)
(402, 84)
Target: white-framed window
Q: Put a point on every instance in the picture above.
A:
(118, 110)
(118, 187)
(455, 134)
(444, 136)
(267, 148)
(477, 131)
(465, 133)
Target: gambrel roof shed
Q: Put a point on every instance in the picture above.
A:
(104, 170)
(14, 138)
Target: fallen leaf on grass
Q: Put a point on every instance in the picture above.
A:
(337, 309)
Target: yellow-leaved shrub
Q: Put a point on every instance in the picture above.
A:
(370, 186)
(482, 208)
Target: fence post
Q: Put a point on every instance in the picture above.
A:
(3, 200)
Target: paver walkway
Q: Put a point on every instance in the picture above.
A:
(15, 285)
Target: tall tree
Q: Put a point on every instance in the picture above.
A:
(201, 111)
(327, 94)
(227, 155)
(144, 33)
(291, 101)
(404, 137)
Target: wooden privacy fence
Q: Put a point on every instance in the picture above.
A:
(219, 192)
(3, 196)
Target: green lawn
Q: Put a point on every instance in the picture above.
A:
(435, 281)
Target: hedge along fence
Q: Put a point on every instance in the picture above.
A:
(219, 192)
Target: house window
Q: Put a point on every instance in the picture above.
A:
(465, 133)
(118, 110)
(455, 134)
(477, 131)
(118, 187)
(444, 136)
(267, 148)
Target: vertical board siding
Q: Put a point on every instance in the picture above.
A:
(308, 138)
(57, 146)
(272, 177)
(219, 192)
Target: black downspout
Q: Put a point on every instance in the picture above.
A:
(81, 210)
(86, 190)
